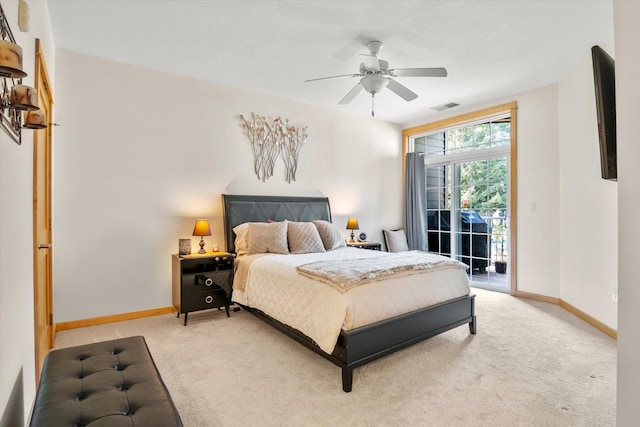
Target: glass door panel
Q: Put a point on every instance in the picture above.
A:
(477, 232)
(483, 219)
(439, 209)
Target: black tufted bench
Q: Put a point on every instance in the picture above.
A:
(111, 383)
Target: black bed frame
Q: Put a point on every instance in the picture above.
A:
(361, 345)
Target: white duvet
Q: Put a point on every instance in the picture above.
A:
(271, 283)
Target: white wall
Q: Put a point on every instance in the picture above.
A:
(140, 154)
(588, 204)
(538, 177)
(627, 33)
(16, 223)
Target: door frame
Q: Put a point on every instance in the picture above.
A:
(512, 109)
(42, 137)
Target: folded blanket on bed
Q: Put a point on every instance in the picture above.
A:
(348, 273)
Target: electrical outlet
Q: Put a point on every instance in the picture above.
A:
(615, 294)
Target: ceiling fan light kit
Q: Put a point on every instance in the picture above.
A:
(374, 83)
(375, 75)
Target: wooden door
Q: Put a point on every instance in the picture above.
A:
(42, 232)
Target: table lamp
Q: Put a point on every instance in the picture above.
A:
(201, 229)
(352, 224)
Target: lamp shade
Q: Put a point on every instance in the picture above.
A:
(352, 223)
(201, 228)
(24, 97)
(34, 119)
(11, 60)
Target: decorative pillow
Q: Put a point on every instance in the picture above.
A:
(268, 238)
(241, 243)
(304, 238)
(331, 237)
(396, 240)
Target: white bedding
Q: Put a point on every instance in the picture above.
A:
(319, 311)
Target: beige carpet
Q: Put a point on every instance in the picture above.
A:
(531, 364)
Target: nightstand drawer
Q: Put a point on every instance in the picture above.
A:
(206, 264)
(207, 280)
(193, 301)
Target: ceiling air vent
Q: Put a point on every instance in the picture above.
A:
(445, 106)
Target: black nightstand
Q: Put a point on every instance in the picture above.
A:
(366, 245)
(202, 282)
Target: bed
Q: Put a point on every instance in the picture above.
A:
(358, 339)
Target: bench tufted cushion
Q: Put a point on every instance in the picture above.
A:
(112, 383)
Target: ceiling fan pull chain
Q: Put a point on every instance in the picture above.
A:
(372, 96)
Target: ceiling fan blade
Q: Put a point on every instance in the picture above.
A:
(419, 72)
(351, 94)
(401, 91)
(333, 77)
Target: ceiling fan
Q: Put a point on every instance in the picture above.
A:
(375, 75)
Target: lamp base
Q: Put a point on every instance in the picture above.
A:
(352, 236)
(202, 251)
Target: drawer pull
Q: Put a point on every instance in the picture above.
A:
(204, 279)
(208, 299)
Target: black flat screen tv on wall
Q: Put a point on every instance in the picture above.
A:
(605, 88)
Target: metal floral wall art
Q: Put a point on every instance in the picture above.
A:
(271, 138)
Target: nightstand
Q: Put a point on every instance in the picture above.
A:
(201, 282)
(366, 245)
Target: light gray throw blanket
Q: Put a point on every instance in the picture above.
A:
(349, 273)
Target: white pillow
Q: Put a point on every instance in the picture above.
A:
(331, 237)
(241, 243)
(266, 237)
(303, 238)
(396, 240)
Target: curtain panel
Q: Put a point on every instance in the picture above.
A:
(415, 197)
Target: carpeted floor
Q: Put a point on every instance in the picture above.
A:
(531, 364)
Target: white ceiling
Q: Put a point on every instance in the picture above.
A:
(491, 49)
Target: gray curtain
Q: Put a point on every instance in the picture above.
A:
(415, 200)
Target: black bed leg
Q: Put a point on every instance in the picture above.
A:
(347, 379)
(472, 326)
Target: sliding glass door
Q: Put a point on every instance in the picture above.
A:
(467, 175)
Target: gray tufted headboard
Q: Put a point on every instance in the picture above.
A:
(242, 208)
